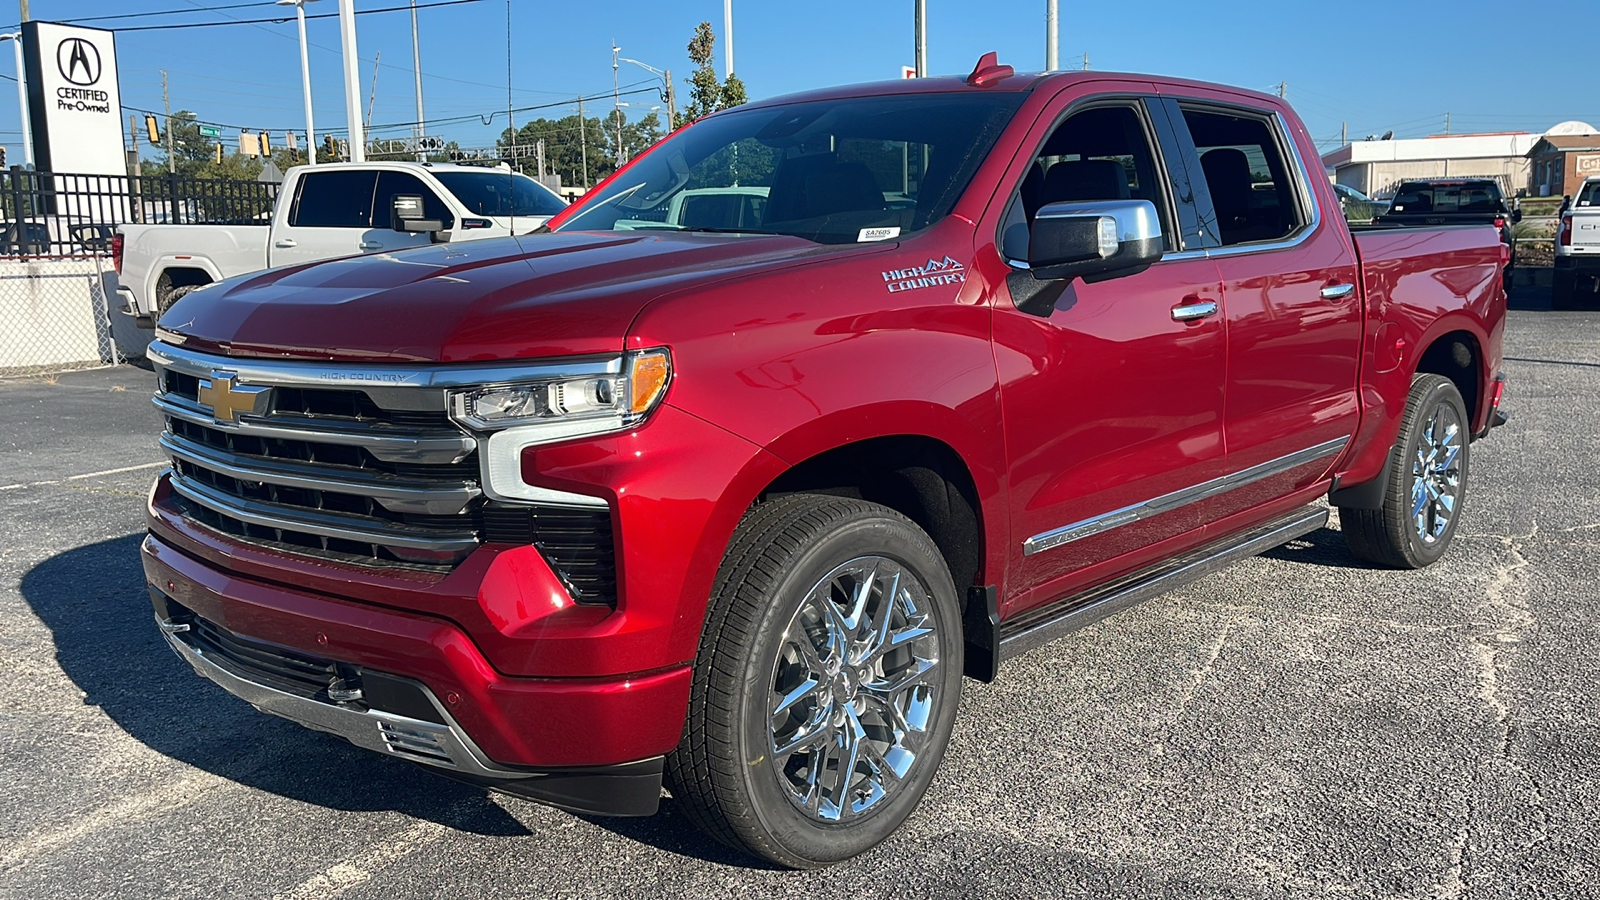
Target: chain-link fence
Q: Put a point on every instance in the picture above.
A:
(57, 287)
(55, 314)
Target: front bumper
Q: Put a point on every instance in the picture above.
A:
(628, 789)
(511, 732)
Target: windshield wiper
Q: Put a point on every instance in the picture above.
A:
(707, 229)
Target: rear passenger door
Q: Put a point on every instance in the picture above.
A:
(1112, 398)
(329, 216)
(1290, 287)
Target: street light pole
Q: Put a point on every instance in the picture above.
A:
(666, 94)
(1050, 36)
(616, 105)
(727, 38)
(352, 80)
(15, 38)
(305, 75)
(920, 24)
(416, 67)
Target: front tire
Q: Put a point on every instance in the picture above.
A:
(1427, 482)
(826, 684)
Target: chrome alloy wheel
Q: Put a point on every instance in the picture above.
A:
(854, 686)
(1436, 474)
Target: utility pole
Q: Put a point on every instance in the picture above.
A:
(172, 164)
(672, 110)
(1343, 135)
(1050, 36)
(352, 80)
(1282, 87)
(416, 67)
(373, 96)
(583, 141)
(1086, 60)
(23, 7)
(539, 147)
(919, 25)
(133, 129)
(1447, 122)
(616, 101)
(727, 38)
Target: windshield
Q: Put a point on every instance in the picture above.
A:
(491, 193)
(834, 171)
(1456, 197)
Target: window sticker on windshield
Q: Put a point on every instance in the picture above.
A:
(878, 234)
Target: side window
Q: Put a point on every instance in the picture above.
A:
(391, 183)
(1098, 154)
(1252, 188)
(334, 200)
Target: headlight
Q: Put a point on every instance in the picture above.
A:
(570, 406)
(520, 415)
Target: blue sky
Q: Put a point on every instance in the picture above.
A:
(1375, 65)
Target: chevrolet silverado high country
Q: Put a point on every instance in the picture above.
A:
(733, 508)
(322, 212)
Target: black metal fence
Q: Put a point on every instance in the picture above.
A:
(69, 215)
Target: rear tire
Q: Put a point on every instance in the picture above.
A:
(1427, 482)
(1563, 291)
(826, 684)
(171, 297)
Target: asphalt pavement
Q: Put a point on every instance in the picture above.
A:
(1298, 725)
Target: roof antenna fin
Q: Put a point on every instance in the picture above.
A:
(988, 70)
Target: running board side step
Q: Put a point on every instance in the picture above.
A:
(1039, 626)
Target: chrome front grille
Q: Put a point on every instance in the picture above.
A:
(372, 472)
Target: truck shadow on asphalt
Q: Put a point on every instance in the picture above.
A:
(1323, 547)
(92, 598)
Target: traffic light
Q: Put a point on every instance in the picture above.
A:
(151, 129)
(219, 153)
(327, 146)
(266, 146)
(2, 157)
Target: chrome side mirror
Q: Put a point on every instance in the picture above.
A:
(1094, 239)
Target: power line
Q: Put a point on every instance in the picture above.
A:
(281, 20)
(169, 12)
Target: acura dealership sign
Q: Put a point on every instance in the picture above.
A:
(73, 102)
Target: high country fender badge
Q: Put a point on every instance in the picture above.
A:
(932, 274)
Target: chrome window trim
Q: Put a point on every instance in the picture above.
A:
(1127, 515)
(1302, 188)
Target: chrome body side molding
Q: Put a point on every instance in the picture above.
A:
(1168, 502)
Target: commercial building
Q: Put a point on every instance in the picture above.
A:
(1375, 167)
(1560, 162)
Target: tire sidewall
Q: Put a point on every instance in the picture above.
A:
(1441, 392)
(808, 841)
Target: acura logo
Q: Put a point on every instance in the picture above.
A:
(78, 61)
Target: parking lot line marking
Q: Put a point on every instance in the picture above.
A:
(133, 808)
(340, 877)
(24, 484)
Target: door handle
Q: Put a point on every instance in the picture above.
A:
(284, 243)
(371, 245)
(1193, 310)
(1338, 291)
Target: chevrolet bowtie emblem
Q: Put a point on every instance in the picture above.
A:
(227, 398)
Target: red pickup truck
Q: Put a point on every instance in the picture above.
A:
(725, 479)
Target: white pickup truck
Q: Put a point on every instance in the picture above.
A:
(324, 212)
(1576, 279)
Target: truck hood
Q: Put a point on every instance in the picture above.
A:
(506, 298)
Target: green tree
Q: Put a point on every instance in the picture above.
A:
(706, 93)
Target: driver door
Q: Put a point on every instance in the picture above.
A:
(1113, 396)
